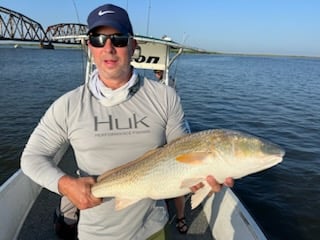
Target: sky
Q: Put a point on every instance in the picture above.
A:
(281, 27)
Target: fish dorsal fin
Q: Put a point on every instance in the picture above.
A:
(126, 165)
(193, 157)
(179, 138)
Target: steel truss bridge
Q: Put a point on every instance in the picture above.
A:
(15, 26)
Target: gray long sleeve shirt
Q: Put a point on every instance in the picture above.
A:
(104, 138)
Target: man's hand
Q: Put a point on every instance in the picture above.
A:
(78, 190)
(216, 187)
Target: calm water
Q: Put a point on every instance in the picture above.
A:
(277, 98)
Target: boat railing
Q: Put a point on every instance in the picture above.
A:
(17, 195)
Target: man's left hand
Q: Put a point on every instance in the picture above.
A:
(215, 186)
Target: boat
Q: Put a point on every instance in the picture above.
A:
(221, 216)
(46, 46)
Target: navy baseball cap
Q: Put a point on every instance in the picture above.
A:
(111, 16)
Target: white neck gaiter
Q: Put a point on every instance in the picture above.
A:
(107, 96)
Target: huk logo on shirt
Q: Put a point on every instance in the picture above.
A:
(113, 123)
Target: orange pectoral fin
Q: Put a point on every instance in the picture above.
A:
(192, 158)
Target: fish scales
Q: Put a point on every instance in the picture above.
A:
(152, 164)
(171, 170)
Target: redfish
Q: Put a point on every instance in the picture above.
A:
(171, 170)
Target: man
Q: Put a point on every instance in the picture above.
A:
(159, 75)
(115, 118)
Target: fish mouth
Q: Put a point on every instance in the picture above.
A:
(273, 149)
(274, 155)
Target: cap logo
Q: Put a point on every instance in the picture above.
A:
(101, 13)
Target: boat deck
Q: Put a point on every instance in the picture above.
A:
(39, 223)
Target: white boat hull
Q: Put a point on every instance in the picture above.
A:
(17, 195)
(229, 219)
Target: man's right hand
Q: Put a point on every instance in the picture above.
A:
(78, 190)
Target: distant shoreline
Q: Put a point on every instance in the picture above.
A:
(78, 46)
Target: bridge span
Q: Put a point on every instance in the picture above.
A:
(15, 26)
(66, 29)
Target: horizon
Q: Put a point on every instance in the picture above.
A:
(267, 27)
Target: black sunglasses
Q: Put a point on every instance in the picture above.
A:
(117, 40)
